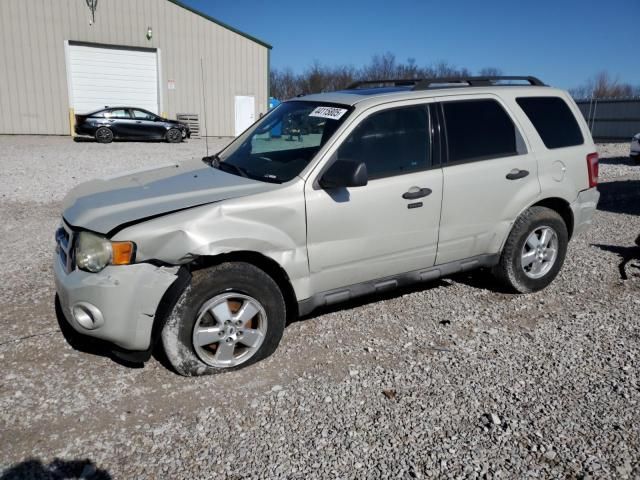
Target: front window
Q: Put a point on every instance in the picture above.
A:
(142, 115)
(282, 143)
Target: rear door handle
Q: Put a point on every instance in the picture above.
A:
(516, 173)
(416, 192)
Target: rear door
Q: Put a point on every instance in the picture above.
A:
(120, 122)
(388, 226)
(489, 176)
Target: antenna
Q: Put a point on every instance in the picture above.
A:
(204, 107)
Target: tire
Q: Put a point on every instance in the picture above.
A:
(104, 135)
(243, 289)
(173, 135)
(514, 270)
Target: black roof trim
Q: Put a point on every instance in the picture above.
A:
(446, 82)
(222, 24)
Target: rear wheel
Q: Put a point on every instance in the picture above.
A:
(104, 135)
(534, 252)
(174, 135)
(232, 315)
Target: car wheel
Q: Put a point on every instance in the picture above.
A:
(232, 315)
(174, 135)
(104, 135)
(534, 251)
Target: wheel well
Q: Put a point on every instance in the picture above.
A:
(562, 208)
(264, 263)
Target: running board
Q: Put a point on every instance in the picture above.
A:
(386, 284)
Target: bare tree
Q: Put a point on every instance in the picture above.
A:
(319, 78)
(490, 72)
(603, 85)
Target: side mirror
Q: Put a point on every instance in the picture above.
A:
(345, 173)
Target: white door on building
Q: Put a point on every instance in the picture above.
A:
(245, 113)
(101, 76)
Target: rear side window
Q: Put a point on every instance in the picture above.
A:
(117, 114)
(477, 130)
(554, 121)
(391, 142)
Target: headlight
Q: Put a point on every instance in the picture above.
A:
(94, 252)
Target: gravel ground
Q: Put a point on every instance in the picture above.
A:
(449, 379)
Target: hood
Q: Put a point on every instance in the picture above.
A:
(104, 204)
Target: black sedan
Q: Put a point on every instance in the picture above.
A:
(130, 123)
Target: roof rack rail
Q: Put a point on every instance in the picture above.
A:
(398, 82)
(474, 81)
(445, 82)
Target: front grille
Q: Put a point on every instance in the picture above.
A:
(64, 247)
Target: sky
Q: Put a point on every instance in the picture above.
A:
(563, 42)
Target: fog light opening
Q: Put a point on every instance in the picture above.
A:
(88, 316)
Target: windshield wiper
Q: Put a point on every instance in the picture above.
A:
(215, 162)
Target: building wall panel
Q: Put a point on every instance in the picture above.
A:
(33, 72)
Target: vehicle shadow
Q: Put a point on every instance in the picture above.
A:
(627, 254)
(482, 279)
(58, 469)
(87, 344)
(122, 140)
(620, 196)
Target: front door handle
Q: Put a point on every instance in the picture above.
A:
(416, 192)
(516, 173)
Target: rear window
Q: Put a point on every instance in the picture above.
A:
(477, 130)
(553, 119)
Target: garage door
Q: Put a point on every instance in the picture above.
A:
(102, 76)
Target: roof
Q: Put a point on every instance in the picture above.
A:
(377, 91)
(222, 24)
(380, 95)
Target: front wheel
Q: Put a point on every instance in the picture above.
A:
(174, 135)
(534, 251)
(232, 315)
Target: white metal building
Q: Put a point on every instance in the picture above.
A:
(60, 57)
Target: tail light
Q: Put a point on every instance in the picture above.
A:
(592, 168)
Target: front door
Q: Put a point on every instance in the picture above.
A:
(245, 113)
(389, 226)
(489, 178)
(146, 126)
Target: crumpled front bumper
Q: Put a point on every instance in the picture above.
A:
(127, 298)
(583, 209)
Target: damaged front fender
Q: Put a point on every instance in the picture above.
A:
(272, 224)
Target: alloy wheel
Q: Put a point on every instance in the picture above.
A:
(539, 252)
(229, 330)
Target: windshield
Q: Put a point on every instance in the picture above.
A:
(283, 142)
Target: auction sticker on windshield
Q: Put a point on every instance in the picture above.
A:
(333, 113)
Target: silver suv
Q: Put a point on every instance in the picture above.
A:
(326, 198)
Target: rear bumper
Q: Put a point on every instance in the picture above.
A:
(583, 209)
(122, 300)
